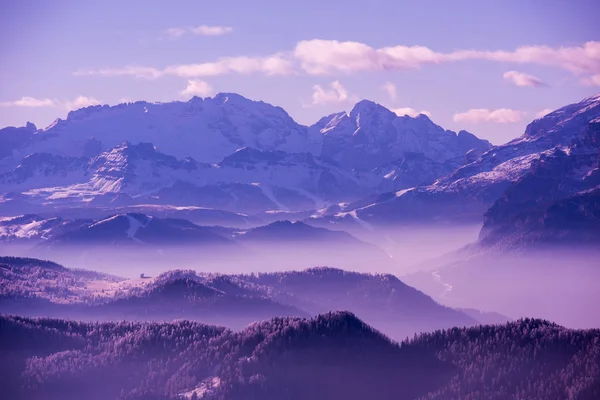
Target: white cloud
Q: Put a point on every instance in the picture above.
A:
(135, 71)
(543, 113)
(197, 88)
(411, 112)
(499, 116)
(331, 56)
(593, 80)
(336, 94)
(275, 64)
(319, 57)
(81, 102)
(523, 79)
(271, 65)
(202, 30)
(78, 102)
(206, 30)
(390, 89)
(175, 33)
(28, 102)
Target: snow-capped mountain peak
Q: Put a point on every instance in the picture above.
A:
(371, 136)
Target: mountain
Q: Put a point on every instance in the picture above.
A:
(204, 129)
(467, 193)
(226, 153)
(416, 169)
(198, 215)
(334, 355)
(382, 300)
(34, 288)
(556, 201)
(43, 288)
(371, 136)
(145, 229)
(14, 138)
(139, 229)
(286, 231)
(145, 243)
(28, 228)
(248, 180)
(368, 166)
(298, 246)
(183, 294)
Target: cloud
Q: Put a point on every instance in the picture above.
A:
(593, 80)
(543, 113)
(271, 65)
(522, 79)
(390, 89)
(211, 30)
(318, 57)
(337, 94)
(175, 33)
(202, 30)
(28, 102)
(411, 112)
(499, 116)
(78, 102)
(581, 60)
(276, 64)
(197, 88)
(81, 102)
(135, 71)
(327, 57)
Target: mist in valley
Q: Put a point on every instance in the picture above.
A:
(294, 201)
(443, 262)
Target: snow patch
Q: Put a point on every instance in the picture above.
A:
(134, 225)
(207, 386)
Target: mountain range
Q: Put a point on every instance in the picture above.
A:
(333, 355)
(225, 152)
(467, 193)
(33, 287)
(250, 161)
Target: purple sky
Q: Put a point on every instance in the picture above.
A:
(488, 67)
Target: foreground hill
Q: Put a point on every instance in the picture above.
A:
(331, 355)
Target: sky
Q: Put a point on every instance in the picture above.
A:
(486, 67)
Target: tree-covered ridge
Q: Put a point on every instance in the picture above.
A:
(525, 359)
(333, 355)
(381, 300)
(41, 279)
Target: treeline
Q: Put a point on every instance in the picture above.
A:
(333, 355)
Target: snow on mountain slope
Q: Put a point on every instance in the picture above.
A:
(415, 169)
(469, 191)
(13, 138)
(138, 229)
(44, 169)
(204, 129)
(35, 227)
(556, 200)
(558, 128)
(141, 174)
(292, 171)
(371, 136)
